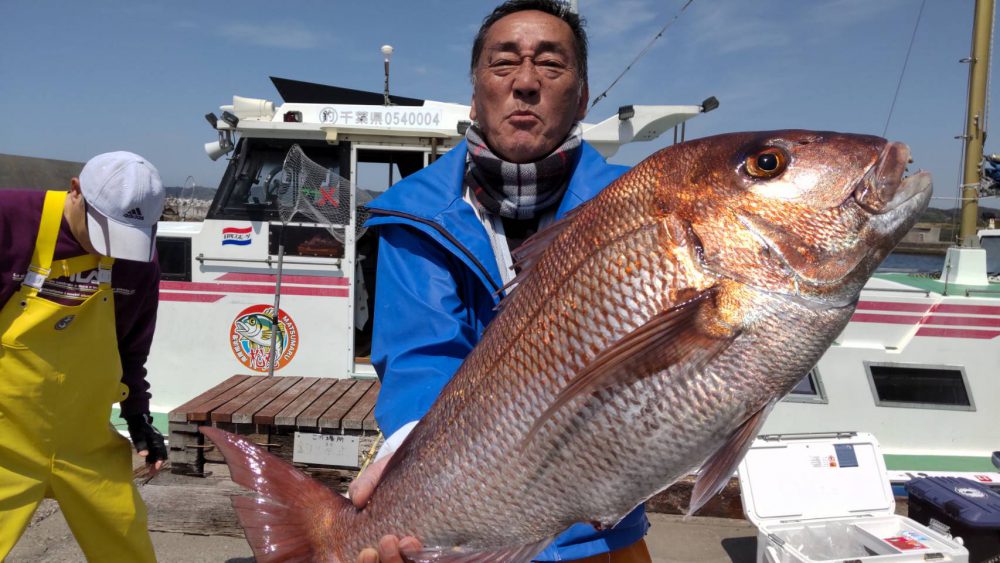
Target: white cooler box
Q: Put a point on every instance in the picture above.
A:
(826, 497)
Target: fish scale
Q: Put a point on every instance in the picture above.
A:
(647, 335)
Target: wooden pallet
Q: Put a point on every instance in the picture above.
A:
(269, 410)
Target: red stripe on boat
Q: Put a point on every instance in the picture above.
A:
(962, 321)
(967, 309)
(270, 278)
(191, 297)
(886, 319)
(925, 320)
(894, 306)
(958, 333)
(250, 289)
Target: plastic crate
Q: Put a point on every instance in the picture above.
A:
(961, 508)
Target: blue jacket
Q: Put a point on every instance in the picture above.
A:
(435, 263)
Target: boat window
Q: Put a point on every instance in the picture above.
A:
(937, 387)
(808, 390)
(305, 241)
(992, 246)
(174, 255)
(379, 168)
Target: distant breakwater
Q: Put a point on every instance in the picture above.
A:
(929, 248)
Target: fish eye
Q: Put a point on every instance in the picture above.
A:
(767, 163)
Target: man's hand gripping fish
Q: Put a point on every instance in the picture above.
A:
(649, 334)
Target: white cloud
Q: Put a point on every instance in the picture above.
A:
(833, 15)
(615, 19)
(733, 28)
(285, 35)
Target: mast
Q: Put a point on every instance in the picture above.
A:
(975, 127)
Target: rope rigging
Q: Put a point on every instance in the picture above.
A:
(644, 50)
(902, 72)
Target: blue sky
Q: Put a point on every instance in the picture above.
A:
(78, 78)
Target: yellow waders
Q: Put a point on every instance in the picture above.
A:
(59, 376)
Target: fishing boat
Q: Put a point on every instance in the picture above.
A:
(916, 366)
(919, 364)
(224, 278)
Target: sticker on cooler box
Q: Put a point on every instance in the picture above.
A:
(904, 543)
(970, 492)
(823, 461)
(833, 456)
(846, 455)
(914, 535)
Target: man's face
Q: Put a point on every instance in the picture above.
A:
(527, 92)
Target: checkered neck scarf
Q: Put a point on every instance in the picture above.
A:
(519, 191)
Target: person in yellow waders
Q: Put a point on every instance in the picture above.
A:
(60, 362)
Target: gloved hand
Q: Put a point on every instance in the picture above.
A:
(147, 439)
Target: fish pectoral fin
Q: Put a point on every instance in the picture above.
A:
(514, 554)
(718, 468)
(671, 340)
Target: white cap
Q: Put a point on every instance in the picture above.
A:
(124, 198)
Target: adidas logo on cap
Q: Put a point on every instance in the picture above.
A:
(134, 213)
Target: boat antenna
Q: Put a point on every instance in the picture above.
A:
(906, 60)
(644, 50)
(386, 54)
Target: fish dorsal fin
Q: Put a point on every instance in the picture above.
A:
(526, 256)
(513, 554)
(718, 468)
(668, 339)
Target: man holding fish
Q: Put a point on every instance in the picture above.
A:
(447, 233)
(646, 336)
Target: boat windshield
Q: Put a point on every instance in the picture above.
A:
(249, 187)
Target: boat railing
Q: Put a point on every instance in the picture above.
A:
(807, 435)
(269, 261)
(970, 292)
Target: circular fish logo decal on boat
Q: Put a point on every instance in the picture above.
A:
(250, 338)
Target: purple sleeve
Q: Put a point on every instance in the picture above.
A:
(136, 320)
(136, 284)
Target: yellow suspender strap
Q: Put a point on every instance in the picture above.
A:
(43, 267)
(70, 266)
(45, 241)
(104, 272)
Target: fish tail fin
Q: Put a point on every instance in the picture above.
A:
(289, 519)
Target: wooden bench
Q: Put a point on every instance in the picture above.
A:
(269, 411)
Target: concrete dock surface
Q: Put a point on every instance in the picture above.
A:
(671, 540)
(191, 520)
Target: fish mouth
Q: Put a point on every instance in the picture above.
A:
(884, 190)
